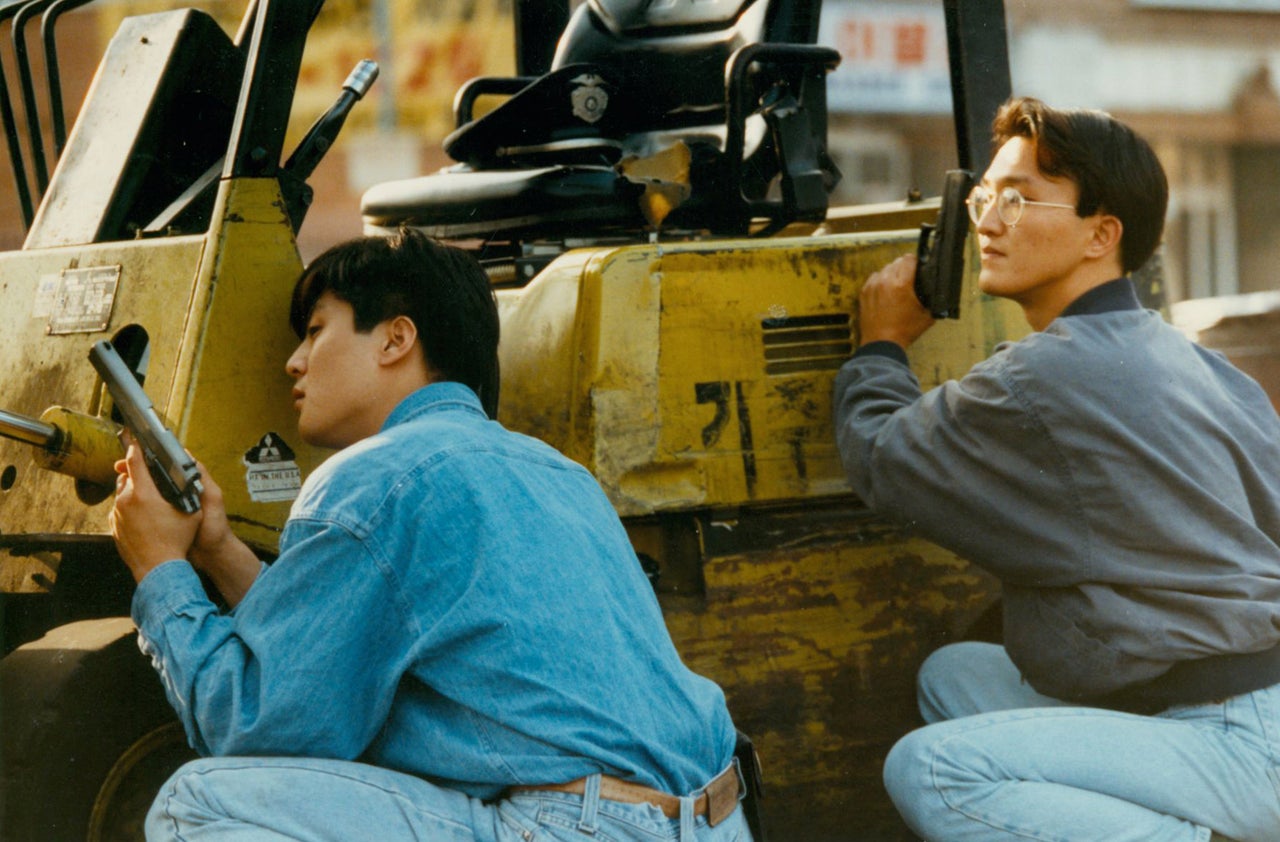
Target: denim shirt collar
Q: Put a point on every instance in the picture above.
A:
(434, 397)
(1105, 298)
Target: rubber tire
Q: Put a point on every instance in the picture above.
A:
(86, 736)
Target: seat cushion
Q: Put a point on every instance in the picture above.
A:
(547, 200)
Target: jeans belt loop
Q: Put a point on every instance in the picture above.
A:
(687, 815)
(590, 804)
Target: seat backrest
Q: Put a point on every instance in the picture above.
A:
(738, 84)
(642, 67)
(670, 56)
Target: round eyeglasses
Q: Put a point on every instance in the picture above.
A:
(1009, 204)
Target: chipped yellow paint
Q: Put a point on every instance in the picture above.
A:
(658, 367)
(226, 290)
(817, 649)
(233, 388)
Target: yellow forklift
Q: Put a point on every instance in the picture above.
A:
(650, 198)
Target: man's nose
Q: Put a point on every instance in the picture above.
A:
(989, 220)
(296, 365)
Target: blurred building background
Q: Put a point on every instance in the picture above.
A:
(1194, 76)
(1197, 77)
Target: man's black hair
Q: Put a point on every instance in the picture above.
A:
(442, 289)
(1116, 170)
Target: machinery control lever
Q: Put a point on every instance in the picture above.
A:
(319, 138)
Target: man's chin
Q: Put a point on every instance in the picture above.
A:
(992, 284)
(308, 435)
(988, 283)
(318, 438)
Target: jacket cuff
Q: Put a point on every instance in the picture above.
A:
(883, 348)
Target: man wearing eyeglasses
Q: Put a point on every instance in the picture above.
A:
(1123, 484)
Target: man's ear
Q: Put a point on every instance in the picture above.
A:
(1106, 237)
(399, 338)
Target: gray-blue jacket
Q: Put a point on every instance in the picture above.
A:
(1122, 482)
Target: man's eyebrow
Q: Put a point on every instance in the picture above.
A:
(1009, 179)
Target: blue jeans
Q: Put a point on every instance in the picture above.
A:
(272, 799)
(999, 761)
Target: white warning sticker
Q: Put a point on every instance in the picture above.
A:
(271, 474)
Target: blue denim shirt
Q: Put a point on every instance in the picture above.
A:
(452, 600)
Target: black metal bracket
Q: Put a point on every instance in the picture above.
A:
(978, 51)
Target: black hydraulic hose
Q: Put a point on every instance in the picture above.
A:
(39, 164)
(47, 24)
(16, 161)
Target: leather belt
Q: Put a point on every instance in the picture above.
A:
(717, 802)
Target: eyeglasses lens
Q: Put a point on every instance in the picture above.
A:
(1009, 204)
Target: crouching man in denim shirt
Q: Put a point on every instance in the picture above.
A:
(456, 641)
(1123, 484)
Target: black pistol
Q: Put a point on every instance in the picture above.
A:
(174, 471)
(940, 253)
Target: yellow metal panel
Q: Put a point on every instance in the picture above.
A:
(756, 426)
(232, 390)
(701, 374)
(215, 309)
(154, 288)
(817, 649)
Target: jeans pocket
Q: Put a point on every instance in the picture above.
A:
(555, 819)
(517, 824)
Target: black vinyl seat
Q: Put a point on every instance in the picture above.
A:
(689, 114)
(526, 203)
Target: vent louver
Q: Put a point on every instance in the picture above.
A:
(796, 344)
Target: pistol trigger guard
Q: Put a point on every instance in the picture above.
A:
(924, 249)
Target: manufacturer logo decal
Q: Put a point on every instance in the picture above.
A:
(272, 475)
(589, 99)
